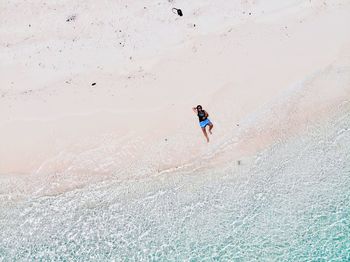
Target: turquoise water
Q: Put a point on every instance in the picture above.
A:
(291, 203)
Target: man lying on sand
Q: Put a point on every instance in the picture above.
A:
(203, 120)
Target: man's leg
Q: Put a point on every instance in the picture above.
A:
(205, 134)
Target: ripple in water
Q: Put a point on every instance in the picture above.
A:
(291, 204)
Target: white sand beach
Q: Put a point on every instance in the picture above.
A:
(150, 67)
(102, 157)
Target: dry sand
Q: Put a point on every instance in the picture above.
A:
(262, 70)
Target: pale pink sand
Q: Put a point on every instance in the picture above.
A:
(58, 127)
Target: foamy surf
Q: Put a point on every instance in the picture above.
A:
(102, 159)
(291, 204)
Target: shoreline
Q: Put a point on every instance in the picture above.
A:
(247, 144)
(143, 113)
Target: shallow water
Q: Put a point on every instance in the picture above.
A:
(290, 203)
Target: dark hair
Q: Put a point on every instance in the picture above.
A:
(199, 107)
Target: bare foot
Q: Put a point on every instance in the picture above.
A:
(210, 128)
